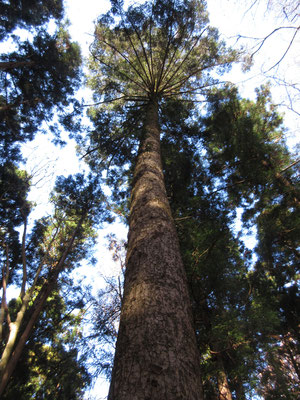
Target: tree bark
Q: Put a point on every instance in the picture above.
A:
(223, 386)
(156, 352)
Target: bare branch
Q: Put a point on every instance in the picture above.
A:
(270, 34)
(144, 51)
(144, 89)
(7, 65)
(128, 98)
(290, 166)
(183, 61)
(286, 51)
(124, 57)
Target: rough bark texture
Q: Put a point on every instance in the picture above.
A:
(156, 354)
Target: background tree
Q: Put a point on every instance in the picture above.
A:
(27, 14)
(256, 171)
(54, 248)
(39, 72)
(51, 364)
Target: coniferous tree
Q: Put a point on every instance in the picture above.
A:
(54, 247)
(245, 143)
(51, 365)
(39, 73)
(27, 14)
(246, 325)
(144, 56)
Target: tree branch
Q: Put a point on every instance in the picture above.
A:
(285, 53)
(125, 58)
(24, 278)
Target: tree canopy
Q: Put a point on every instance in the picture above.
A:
(39, 72)
(160, 49)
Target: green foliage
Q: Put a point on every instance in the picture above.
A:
(155, 50)
(51, 366)
(27, 14)
(240, 138)
(54, 247)
(252, 167)
(78, 206)
(14, 187)
(14, 209)
(38, 74)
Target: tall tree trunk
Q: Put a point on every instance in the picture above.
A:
(156, 353)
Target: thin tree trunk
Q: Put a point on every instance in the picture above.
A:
(39, 305)
(283, 181)
(291, 356)
(12, 360)
(4, 308)
(223, 386)
(14, 328)
(239, 389)
(156, 353)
